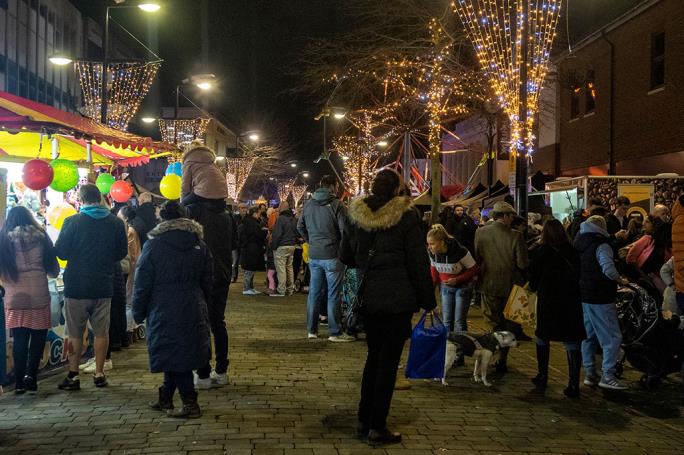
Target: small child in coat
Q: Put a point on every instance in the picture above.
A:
(202, 179)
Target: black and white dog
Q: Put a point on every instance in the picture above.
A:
(484, 348)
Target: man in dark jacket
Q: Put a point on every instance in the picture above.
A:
(92, 242)
(283, 242)
(461, 226)
(221, 239)
(321, 225)
(145, 217)
(598, 288)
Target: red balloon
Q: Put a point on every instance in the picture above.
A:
(121, 191)
(37, 174)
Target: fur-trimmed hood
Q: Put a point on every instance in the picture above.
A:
(200, 154)
(383, 218)
(26, 237)
(180, 224)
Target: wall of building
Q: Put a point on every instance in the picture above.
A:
(30, 32)
(647, 125)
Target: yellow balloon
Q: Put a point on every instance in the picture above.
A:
(60, 212)
(170, 187)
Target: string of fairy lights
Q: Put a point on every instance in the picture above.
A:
(237, 173)
(129, 83)
(495, 28)
(359, 161)
(284, 187)
(183, 131)
(298, 191)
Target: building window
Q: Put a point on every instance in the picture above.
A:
(589, 93)
(657, 60)
(575, 102)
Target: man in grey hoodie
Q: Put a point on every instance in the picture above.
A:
(321, 225)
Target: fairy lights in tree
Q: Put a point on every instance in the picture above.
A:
(298, 192)
(129, 83)
(359, 161)
(284, 187)
(183, 132)
(495, 28)
(237, 173)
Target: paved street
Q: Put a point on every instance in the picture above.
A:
(292, 396)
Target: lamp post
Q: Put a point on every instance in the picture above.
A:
(204, 82)
(148, 7)
(338, 113)
(521, 159)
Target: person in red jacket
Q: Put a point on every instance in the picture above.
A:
(452, 266)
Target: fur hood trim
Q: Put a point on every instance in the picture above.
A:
(199, 153)
(26, 235)
(180, 224)
(383, 218)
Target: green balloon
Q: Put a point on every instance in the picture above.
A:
(104, 182)
(65, 175)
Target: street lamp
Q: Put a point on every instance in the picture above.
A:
(293, 165)
(337, 113)
(382, 144)
(149, 7)
(252, 135)
(60, 60)
(148, 119)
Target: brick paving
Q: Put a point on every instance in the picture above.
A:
(291, 396)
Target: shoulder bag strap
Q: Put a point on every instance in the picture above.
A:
(364, 272)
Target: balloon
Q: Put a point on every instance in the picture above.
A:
(104, 182)
(37, 174)
(121, 191)
(66, 175)
(174, 169)
(62, 263)
(170, 187)
(60, 212)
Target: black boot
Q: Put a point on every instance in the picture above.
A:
(165, 401)
(574, 366)
(542, 377)
(190, 408)
(383, 437)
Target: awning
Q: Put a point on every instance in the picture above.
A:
(19, 115)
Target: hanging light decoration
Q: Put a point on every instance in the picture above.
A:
(284, 189)
(495, 28)
(298, 192)
(359, 161)
(183, 132)
(129, 83)
(237, 172)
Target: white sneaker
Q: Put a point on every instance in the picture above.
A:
(311, 336)
(218, 378)
(108, 365)
(247, 292)
(202, 384)
(87, 363)
(343, 338)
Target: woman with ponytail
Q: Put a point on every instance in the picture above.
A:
(397, 284)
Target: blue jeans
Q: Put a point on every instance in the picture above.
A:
(603, 329)
(330, 271)
(455, 305)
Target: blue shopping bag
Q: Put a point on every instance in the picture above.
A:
(428, 348)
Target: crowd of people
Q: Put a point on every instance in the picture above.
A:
(170, 268)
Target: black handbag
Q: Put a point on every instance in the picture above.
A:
(353, 320)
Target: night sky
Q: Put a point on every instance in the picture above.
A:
(253, 47)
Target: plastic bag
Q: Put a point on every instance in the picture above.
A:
(521, 306)
(428, 348)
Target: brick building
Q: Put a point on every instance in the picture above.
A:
(620, 97)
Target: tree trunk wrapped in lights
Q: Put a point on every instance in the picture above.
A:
(284, 188)
(298, 192)
(128, 84)
(359, 162)
(237, 172)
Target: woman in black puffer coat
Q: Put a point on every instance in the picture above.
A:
(397, 285)
(173, 282)
(554, 275)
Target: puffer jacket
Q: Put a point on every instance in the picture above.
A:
(398, 279)
(36, 259)
(322, 223)
(201, 176)
(172, 284)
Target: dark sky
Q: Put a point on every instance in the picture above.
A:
(253, 45)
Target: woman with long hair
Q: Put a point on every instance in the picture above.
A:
(27, 258)
(397, 284)
(652, 250)
(554, 275)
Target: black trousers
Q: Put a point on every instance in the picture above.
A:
(386, 335)
(217, 320)
(27, 349)
(117, 323)
(179, 380)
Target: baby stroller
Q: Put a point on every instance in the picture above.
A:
(651, 344)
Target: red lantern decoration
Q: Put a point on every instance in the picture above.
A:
(37, 174)
(121, 191)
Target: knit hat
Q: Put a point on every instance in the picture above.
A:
(284, 206)
(598, 221)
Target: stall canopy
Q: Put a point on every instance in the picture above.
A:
(25, 123)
